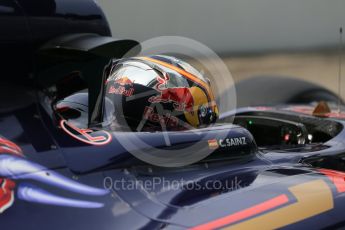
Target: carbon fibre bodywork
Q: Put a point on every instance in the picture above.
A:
(54, 175)
(281, 179)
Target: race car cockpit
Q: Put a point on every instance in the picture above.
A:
(149, 93)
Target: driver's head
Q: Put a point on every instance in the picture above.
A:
(158, 93)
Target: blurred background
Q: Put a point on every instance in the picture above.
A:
(294, 38)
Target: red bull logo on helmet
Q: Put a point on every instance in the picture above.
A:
(181, 97)
(123, 81)
(122, 86)
(167, 119)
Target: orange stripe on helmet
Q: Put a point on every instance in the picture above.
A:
(184, 73)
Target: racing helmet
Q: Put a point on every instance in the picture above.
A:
(158, 92)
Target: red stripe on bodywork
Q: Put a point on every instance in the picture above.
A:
(249, 212)
(7, 146)
(338, 178)
(6, 194)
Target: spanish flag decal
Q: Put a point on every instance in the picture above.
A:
(213, 144)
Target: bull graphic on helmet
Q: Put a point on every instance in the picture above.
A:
(181, 97)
